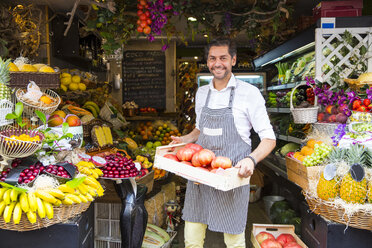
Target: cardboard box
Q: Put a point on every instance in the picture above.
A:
(228, 181)
(300, 174)
(275, 230)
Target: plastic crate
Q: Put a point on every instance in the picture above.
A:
(338, 9)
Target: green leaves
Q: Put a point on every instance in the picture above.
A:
(65, 127)
(17, 114)
(41, 116)
(7, 185)
(18, 109)
(75, 182)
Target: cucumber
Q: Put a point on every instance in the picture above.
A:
(152, 240)
(159, 231)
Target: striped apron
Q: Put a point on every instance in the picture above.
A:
(222, 211)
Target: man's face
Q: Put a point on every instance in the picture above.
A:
(220, 62)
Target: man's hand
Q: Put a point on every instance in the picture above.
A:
(246, 166)
(176, 140)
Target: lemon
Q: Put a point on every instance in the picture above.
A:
(46, 68)
(28, 68)
(64, 87)
(76, 79)
(73, 86)
(65, 81)
(82, 86)
(38, 66)
(66, 75)
(13, 67)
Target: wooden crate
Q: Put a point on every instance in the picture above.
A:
(300, 174)
(275, 230)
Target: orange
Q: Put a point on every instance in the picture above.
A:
(306, 151)
(46, 99)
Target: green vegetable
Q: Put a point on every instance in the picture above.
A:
(290, 147)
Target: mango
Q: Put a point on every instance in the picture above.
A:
(55, 120)
(73, 121)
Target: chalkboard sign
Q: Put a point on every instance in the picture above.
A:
(144, 78)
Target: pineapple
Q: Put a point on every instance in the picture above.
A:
(4, 79)
(369, 175)
(329, 189)
(352, 191)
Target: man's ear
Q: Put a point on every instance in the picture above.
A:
(234, 60)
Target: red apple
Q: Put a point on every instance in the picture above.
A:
(321, 117)
(271, 243)
(193, 146)
(206, 156)
(171, 156)
(221, 162)
(285, 238)
(185, 154)
(332, 118)
(292, 245)
(262, 236)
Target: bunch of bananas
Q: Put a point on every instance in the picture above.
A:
(89, 169)
(41, 202)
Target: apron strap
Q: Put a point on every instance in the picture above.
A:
(232, 94)
(207, 100)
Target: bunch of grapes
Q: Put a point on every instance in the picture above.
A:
(320, 153)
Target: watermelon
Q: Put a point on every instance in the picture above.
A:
(286, 216)
(277, 209)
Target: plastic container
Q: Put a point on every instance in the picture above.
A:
(269, 201)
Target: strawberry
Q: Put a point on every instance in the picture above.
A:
(366, 102)
(356, 104)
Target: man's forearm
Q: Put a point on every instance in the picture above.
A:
(263, 149)
(192, 136)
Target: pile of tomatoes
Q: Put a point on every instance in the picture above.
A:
(144, 20)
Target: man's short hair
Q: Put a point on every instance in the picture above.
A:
(221, 42)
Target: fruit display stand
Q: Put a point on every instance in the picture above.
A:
(275, 230)
(48, 80)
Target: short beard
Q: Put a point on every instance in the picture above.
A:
(224, 75)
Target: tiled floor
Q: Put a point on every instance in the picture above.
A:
(256, 214)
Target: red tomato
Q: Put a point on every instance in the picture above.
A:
(292, 245)
(366, 102)
(139, 6)
(171, 156)
(143, 24)
(356, 104)
(139, 12)
(138, 22)
(362, 109)
(193, 146)
(147, 30)
(206, 156)
(140, 29)
(142, 17)
(202, 168)
(195, 160)
(285, 238)
(262, 236)
(186, 162)
(271, 243)
(185, 154)
(148, 21)
(143, 2)
(147, 13)
(213, 170)
(221, 162)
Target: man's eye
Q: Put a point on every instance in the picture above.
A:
(212, 59)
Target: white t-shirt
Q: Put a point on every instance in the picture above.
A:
(248, 107)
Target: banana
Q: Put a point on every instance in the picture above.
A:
(74, 198)
(58, 203)
(67, 201)
(31, 216)
(93, 104)
(23, 200)
(83, 198)
(49, 210)
(32, 201)
(91, 182)
(91, 109)
(57, 193)
(40, 208)
(92, 191)
(17, 213)
(6, 196)
(2, 191)
(2, 207)
(45, 196)
(8, 212)
(14, 195)
(82, 188)
(94, 174)
(89, 197)
(100, 190)
(99, 172)
(66, 189)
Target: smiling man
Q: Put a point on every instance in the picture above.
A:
(226, 111)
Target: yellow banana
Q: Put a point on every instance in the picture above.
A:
(24, 202)
(2, 207)
(2, 191)
(66, 189)
(6, 196)
(89, 197)
(82, 189)
(67, 201)
(31, 216)
(8, 212)
(100, 190)
(91, 182)
(74, 198)
(32, 201)
(57, 193)
(14, 195)
(17, 213)
(40, 208)
(49, 210)
(45, 196)
(94, 174)
(57, 203)
(83, 198)
(99, 172)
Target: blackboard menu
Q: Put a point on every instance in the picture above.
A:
(144, 78)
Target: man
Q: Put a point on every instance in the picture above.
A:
(226, 110)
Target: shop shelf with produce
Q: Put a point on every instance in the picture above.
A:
(284, 86)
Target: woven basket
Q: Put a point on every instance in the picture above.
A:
(61, 215)
(304, 115)
(361, 219)
(42, 79)
(29, 109)
(326, 128)
(355, 85)
(6, 107)
(106, 114)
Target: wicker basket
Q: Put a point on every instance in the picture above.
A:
(360, 219)
(42, 79)
(326, 128)
(6, 107)
(61, 214)
(107, 114)
(29, 109)
(304, 115)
